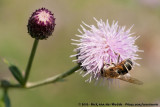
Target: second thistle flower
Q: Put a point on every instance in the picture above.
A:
(103, 43)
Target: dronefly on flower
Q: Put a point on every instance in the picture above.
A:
(41, 24)
(103, 44)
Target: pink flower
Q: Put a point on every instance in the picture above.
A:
(103, 44)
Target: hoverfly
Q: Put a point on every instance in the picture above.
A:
(120, 71)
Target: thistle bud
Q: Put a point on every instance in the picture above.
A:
(41, 24)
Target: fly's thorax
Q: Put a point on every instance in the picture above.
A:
(109, 71)
(120, 71)
(112, 73)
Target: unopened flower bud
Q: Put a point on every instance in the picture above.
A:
(41, 24)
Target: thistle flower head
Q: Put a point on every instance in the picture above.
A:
(41, 24)
(103, 43)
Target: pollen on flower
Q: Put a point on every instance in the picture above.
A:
(41, 24)
(103, 44)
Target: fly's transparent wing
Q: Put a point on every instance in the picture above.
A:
(130, 79)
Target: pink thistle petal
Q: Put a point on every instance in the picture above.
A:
(103, 44)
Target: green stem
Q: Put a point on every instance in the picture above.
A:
(53, 79)
(6, 84)
(30, 61)
(6, 98)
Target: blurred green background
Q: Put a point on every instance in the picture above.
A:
(52, 55)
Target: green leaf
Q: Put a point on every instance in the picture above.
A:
(15, 72)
